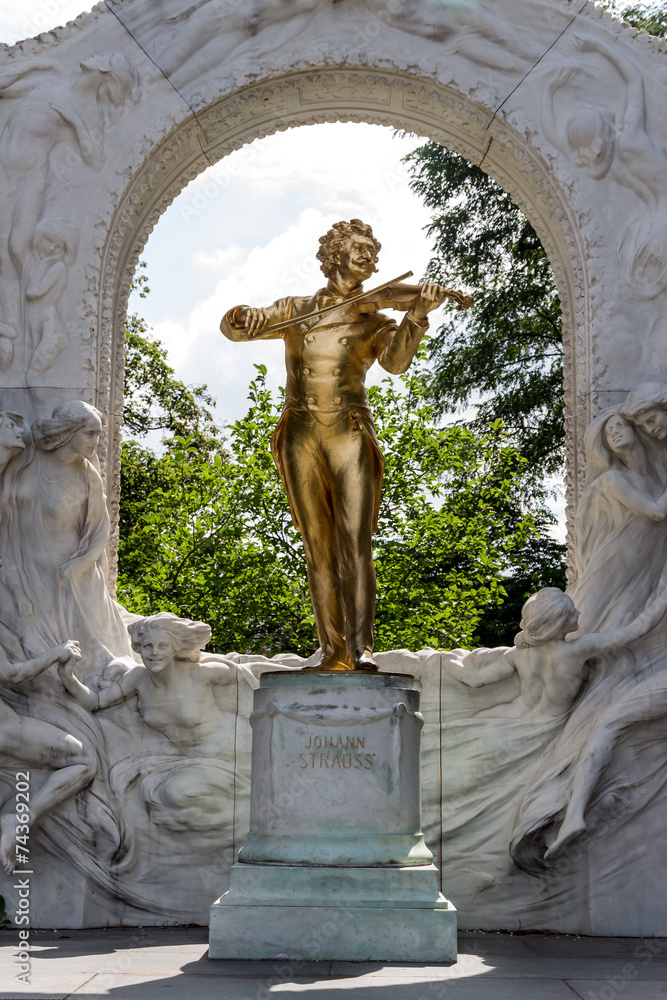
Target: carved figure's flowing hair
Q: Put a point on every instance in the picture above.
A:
(333, 243)
(544, 616)
(643, 397)
(188, 637)
(599, 454)
(15, 418)
(57, 430)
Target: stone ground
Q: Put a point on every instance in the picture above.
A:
(156, 963)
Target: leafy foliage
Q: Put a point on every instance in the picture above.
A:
(508, 349)
(651, 17)
(206, 532)
(155, 400)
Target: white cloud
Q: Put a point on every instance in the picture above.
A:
(30, 17)
(246, 231)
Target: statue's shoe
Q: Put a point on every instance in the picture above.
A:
(366, 663)
(329, 663)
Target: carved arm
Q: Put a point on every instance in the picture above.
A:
(474, 669)
(21, 673)
(601, 642)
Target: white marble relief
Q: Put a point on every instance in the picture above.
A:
(43, 282)
(564, 106)
(34, 744)
(12, 430)
(55, 529)
(52, 128)
(620, 543)
(611, 138)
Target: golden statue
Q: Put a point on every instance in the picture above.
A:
(325, 446)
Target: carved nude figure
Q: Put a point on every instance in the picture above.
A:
(644, 703)
(474, 31)
(43, 283)
(496, 755)
(175, 692)
(54, 554)
(601, 140)
(31, 743)
(646, 407)
(551, 668)
(620, 537)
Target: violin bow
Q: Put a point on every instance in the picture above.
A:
(463, 302)
(284, 324)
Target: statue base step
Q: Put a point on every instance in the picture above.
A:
(333, 914)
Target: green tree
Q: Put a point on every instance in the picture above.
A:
(651, 17)
(207, 532)
(155, 400)
(508, 349)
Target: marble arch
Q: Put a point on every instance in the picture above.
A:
(105, 120)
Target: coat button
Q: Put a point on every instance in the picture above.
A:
(309, 338)
(307, 371)
(337, 400)
(344, 341)
(311, 401)
(336, 371)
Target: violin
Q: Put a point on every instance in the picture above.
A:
(392, 294)
(400, 296)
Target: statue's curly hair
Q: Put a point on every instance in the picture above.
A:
(333, 243)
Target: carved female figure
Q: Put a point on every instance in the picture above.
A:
(620, 538)
(620, 555)
(174, 691)
(192, 783)
(551, 669)
(232, 28)
(646, 406)
(43, 283)
(12, 428)
(57, 527)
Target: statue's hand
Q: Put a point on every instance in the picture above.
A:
(73, 649)
(254, 321)
(430, 297)
(68, 653)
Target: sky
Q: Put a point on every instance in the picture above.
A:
(246, 231)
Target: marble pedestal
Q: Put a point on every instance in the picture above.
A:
(335, 866)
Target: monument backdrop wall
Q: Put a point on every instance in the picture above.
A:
(140, 793)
